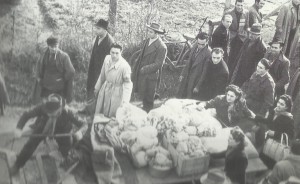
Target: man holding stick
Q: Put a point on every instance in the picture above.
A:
(52, 118)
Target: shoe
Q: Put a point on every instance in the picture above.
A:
(14, 170)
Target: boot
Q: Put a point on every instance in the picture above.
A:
(73, 157)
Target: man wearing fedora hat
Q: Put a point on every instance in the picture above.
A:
(148, 68)
(101, 48)
(252, 51)
(52, 117)
(55, 72)
(280, 66)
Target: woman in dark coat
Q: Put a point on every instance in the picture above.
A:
(279, 121)
(236, 160)
(231, 108)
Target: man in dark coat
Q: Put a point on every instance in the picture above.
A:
(220, 37)
(217, 76)
(238, 32)
(279, 69)
(55, 72)
(294, 91)
(194, 73)
(148, 68)
(287, 30)
(51, 118)
(255, 16)
(101, 48)
(259, 89)
(4, 99)
(253, 49)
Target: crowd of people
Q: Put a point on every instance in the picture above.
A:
(233, 71)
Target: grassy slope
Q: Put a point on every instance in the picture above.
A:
(20, 29)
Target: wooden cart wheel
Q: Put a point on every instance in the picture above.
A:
(182, 60)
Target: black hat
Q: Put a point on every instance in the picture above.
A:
(276, 41)
(255, 29)
(53, 103)
(52, 40)
(156, 27)
(102, 23)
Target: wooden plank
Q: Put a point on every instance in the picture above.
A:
(41, 168)
(50, 168)
(67, 173)
(31, 173)
(255, 165)
(70, 179)
(4, 171)
(11, 158)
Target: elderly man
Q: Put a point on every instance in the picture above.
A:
(220, 37)
(148, 68)
(287, 30)
(259, 89)
(55, 71)
(255, 16)
(253, 49)
(217, 76)
(279, 69)
(114, 85)
(101, 48)
(52, 117)
(238, 32)
(193, 75)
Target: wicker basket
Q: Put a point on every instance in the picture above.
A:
(187, 165)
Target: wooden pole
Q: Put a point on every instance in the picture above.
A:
(13, 37)
(227, 5)
(112, 16)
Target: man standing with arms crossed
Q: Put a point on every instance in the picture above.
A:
(148, 68)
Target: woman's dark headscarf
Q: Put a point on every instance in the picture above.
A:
(238, 136)
(288, 102)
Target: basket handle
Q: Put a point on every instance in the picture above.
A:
(286, 138)
(266, 134)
